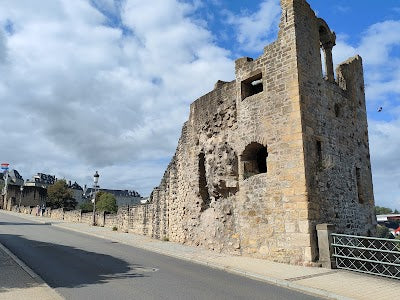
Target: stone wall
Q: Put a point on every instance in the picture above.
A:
(335, 132)
(87, 218)
(110, 220)
(73, 216)
(266, 157)
(57, 214)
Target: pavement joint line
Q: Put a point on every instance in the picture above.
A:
(19, 262)
(311, 276)
(279, 282)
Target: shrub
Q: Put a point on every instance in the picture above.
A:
(106, 202)
(383, 232)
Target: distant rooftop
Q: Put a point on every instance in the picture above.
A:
(388, 217)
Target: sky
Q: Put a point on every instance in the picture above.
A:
(106, 85)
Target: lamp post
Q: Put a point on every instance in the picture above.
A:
(95, 187)
(21, 188)
(4, 168)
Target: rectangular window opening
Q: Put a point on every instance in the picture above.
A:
(252, 86)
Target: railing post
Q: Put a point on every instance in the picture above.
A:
(325, 245)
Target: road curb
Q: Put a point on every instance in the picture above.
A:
(20, 263)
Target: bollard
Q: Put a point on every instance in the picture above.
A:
(325, 245)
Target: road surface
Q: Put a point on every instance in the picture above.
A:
(80, 266)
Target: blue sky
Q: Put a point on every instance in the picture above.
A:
(106, 84)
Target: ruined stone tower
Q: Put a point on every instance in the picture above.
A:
(266, 157)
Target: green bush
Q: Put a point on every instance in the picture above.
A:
(86, 206)
(383, 232)
(106, 202)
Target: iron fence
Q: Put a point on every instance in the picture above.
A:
(367, 254)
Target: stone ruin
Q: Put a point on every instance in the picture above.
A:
(266, 157)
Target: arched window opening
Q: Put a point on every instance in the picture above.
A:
(327, 40)
(254, 160)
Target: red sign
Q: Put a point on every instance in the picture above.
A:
(4, 166)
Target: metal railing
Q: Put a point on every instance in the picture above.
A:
(367, 254)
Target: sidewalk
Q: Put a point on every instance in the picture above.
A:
(17, 281)
(334, 284)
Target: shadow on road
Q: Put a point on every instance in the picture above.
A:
(69, 267)
(19, 223)
(12, 276)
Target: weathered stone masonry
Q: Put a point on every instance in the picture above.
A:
(266, 157)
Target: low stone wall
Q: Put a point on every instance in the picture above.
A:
(73, 216)
(100, 218)
(110, 220)
(87, 218)
(138, 219)
(57, 214)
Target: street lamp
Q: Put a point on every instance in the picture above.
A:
(21, 188)
(4, 168)
(95, 187)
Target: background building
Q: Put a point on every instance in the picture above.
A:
(123, 197)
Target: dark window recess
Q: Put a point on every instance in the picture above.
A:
(203, 190)
(254, 159)
(319, 154)
(262, 160)
(337, 110)
(252, 86)
(359, 186)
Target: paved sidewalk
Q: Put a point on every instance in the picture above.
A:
(334, 284)
(17, 281)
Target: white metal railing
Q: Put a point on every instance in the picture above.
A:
(369, 255)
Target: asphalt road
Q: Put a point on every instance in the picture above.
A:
(79, 266)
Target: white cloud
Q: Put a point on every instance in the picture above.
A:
(379, 40)
(78, 93)
(342, 51)
(342, 8)
(256, 30)
(385, 145)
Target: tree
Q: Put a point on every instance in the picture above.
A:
(59, 195)
(86, 206)
(379, 210)
(106, 202)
